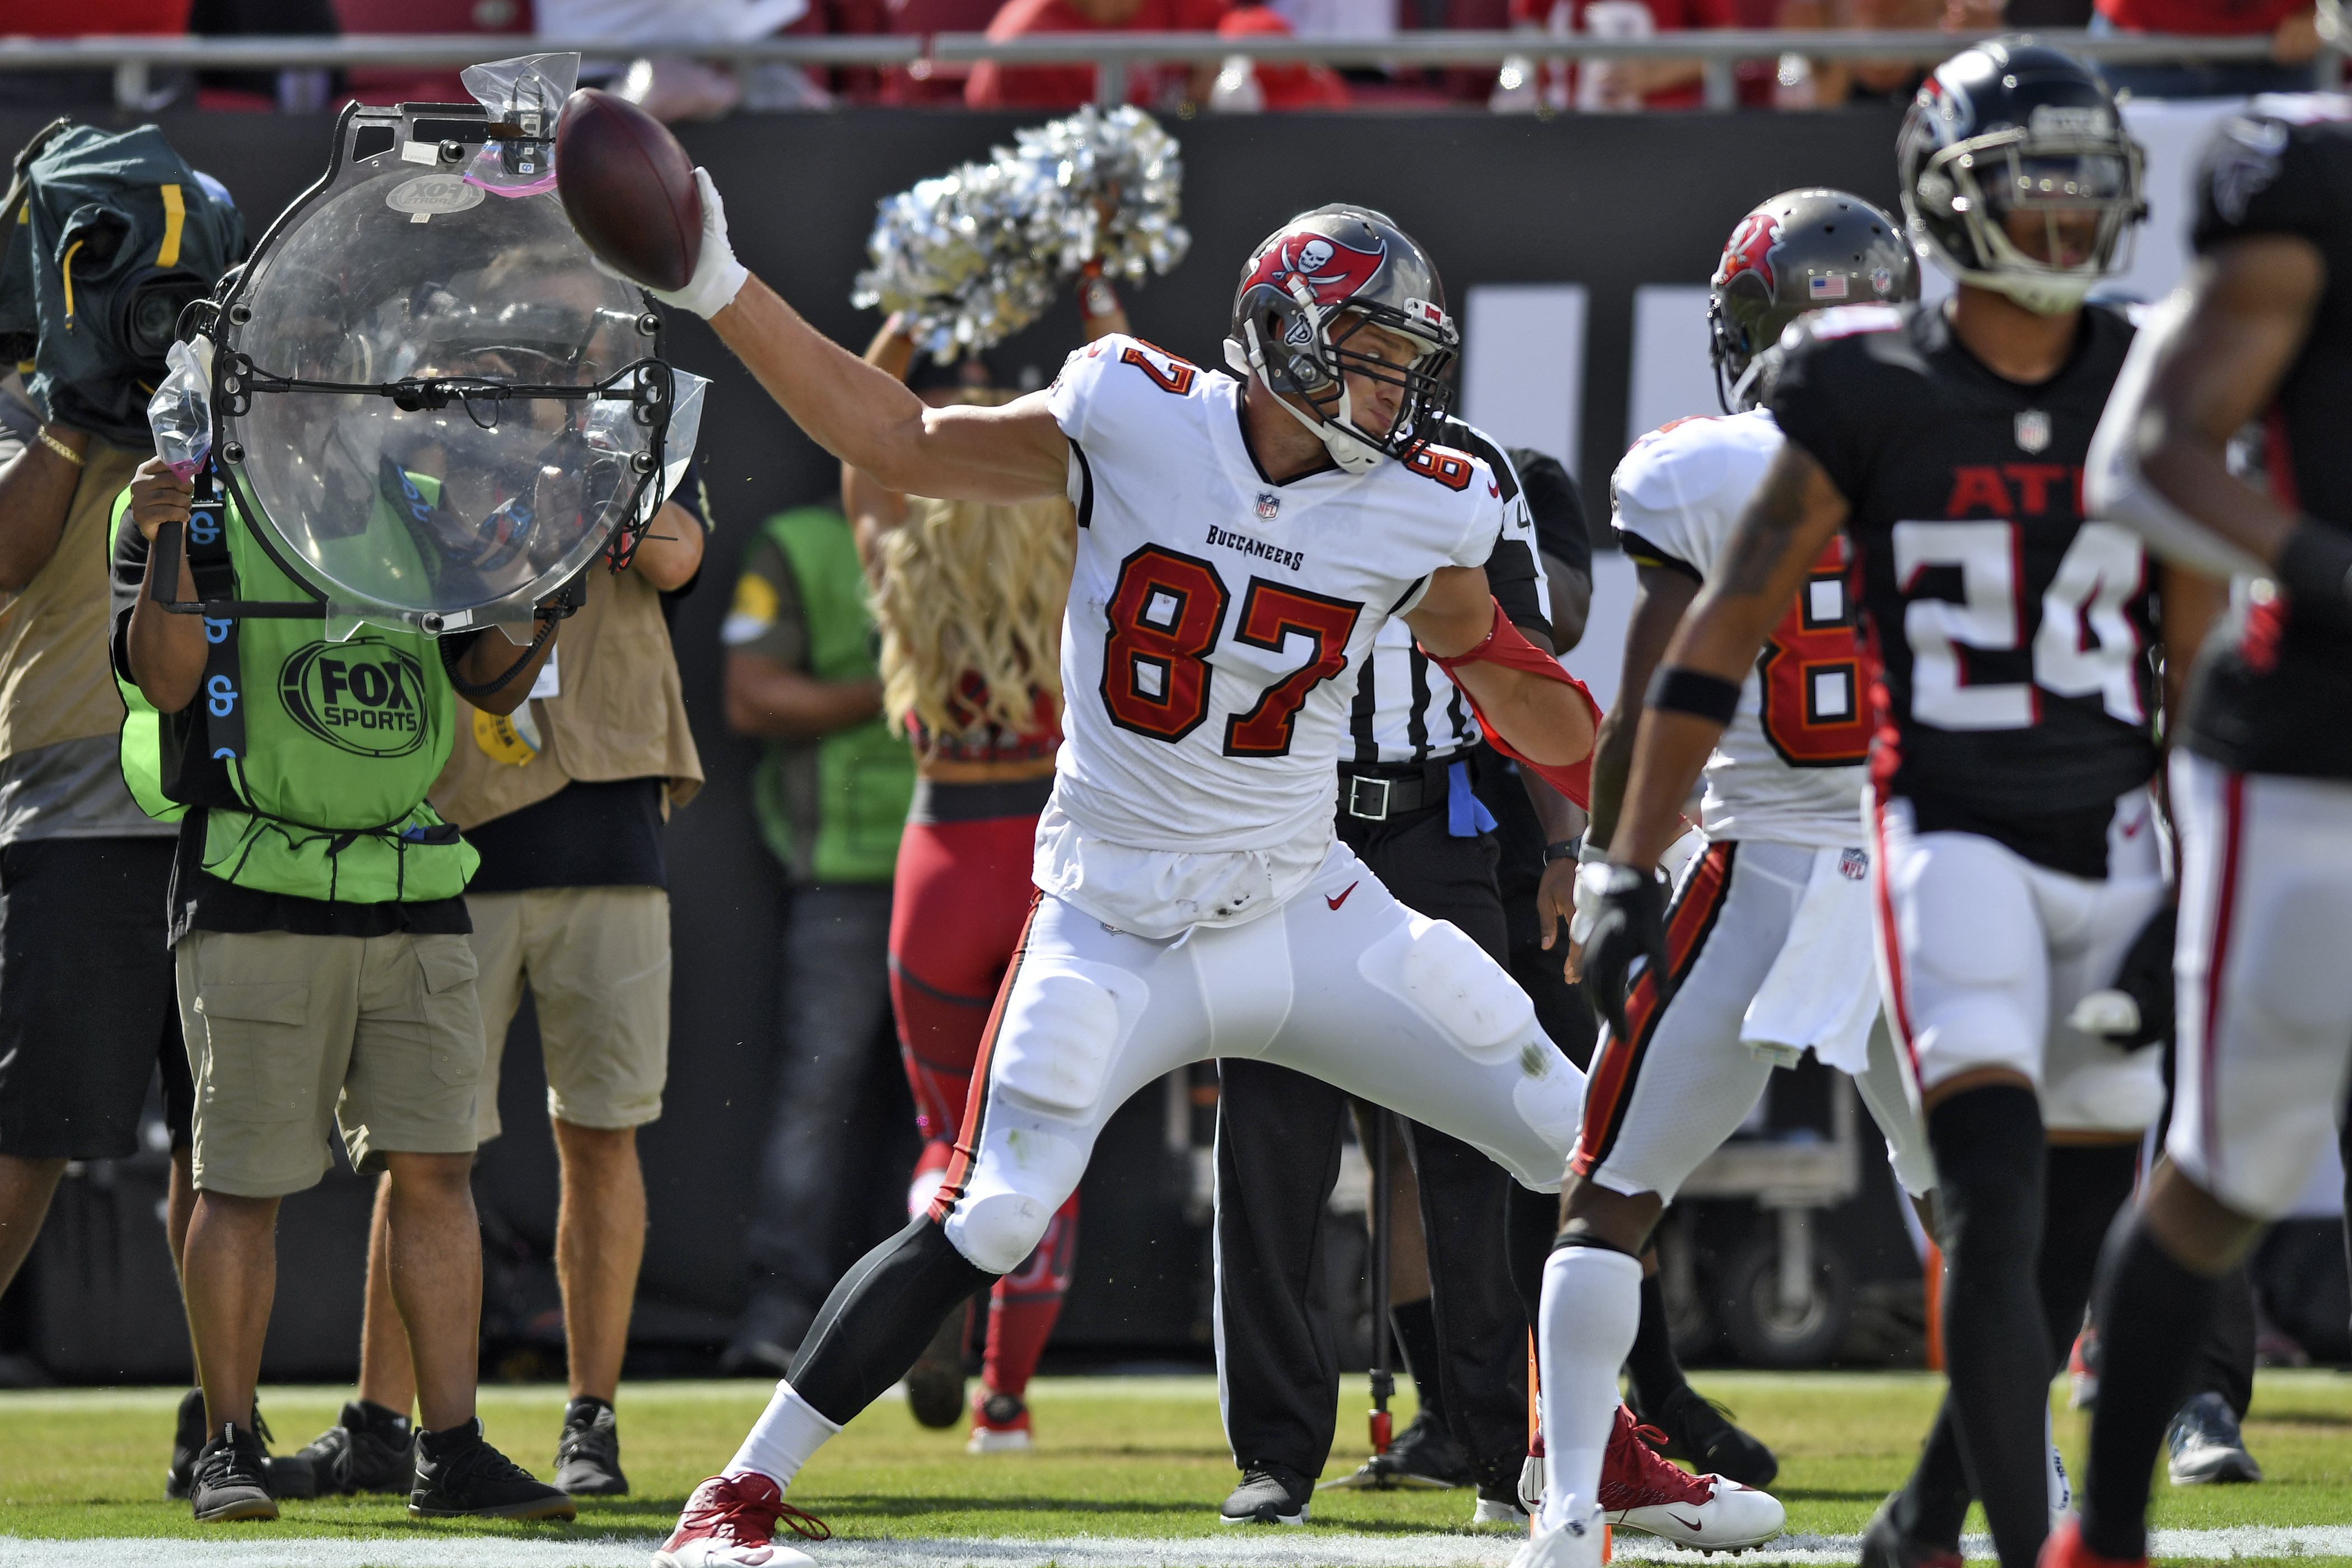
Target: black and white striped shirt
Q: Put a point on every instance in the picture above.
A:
(1406, 710)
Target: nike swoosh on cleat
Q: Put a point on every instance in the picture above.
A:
(1342, 899)
(1686, 1524)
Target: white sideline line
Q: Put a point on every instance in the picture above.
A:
(1286, 1549)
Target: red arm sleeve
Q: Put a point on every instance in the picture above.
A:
(1505, 645)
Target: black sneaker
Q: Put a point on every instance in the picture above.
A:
(228, 1480)
(290, 1477)
(2205, 1446)
(458, 1474)
(1884, 1544)
(935, 1383)
(1270, 1493)
(1699, 1430)
(187, 1442)
(588, 1454)
(1427, 1454)
(368, 1450)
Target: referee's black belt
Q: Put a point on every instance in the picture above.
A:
(1377, 792)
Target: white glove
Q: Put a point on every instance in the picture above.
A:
(717, 276)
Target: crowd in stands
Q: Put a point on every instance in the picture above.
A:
(683, 89)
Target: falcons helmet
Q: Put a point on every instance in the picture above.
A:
(2012, 126)
(1797, 252)
(1307, 290)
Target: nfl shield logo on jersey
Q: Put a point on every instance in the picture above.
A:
(1853, 865)
(1268, 503)
(2033, 430)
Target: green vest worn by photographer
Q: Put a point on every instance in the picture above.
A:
(342, 740)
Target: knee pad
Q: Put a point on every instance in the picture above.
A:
(998, 1231)
(1449, 982)
(1061, 1028)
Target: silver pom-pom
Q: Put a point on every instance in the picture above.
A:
(974, 256)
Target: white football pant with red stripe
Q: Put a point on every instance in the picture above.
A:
(2265, 965)
(1983, 954)
(1342, 983)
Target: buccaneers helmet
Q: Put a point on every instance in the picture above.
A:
(1307, 289)
(2011, 126)
(1797, 252)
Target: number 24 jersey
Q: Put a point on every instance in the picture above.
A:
(2011, 635)
(1216, 619)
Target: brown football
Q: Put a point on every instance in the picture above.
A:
(628, 188)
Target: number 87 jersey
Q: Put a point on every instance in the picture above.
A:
(2011, 635)
(1216, 619)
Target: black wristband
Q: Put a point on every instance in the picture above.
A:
(1675, 690)
(1563, 850)
(2315, 566)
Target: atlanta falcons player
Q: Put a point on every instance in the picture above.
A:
(2015, 865)
(1239, 544)
(2262, 782)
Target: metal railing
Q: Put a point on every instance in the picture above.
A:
(132, 60)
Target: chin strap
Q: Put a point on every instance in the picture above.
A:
(1502, 644)
(1351, 451)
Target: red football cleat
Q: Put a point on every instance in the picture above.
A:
(2064, 1549)
(730, 1522)
(1642, 1490)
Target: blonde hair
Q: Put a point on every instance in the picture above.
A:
(974, 587)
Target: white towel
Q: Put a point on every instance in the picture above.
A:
(1823, 990)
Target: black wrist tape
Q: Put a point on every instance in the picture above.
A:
(2315, 566)
(1675, 690)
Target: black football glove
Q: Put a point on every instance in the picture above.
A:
(2137, 1005)
(1627, 911)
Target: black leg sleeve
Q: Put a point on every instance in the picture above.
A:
(1989, 1157)
(1278, 1139)
(2156, 1313)
(1480, 1322)
(879, 1318)
(2225, 1362)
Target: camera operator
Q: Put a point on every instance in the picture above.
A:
(319, 942)
(87, 1013)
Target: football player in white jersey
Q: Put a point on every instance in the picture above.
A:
(1240, 542)
(1770, 932)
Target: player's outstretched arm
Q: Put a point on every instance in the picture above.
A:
(1545, 719)
(1794, 514)
(1662, 597)
(866, 418)
(2251, 308)
(858, 412)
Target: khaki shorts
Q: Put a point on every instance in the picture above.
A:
(289, 1034)
(597, 962)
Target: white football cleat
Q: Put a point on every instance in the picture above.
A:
(730, 1522)
(1575, 1543)
(1497, 1511)
(1641, 1490)
(1531, 1473)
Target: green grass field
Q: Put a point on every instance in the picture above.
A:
(1131, 1458)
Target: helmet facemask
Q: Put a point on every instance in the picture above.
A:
(2068, 163)
(1309, 356)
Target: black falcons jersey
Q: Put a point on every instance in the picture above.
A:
(2008, 635)
(2273, 691)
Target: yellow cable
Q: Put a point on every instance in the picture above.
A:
(66, 267)
(175, 212)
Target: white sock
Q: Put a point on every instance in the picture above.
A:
(1591, 1311)
(781, 1441)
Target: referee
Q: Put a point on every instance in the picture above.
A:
(1405, 806)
